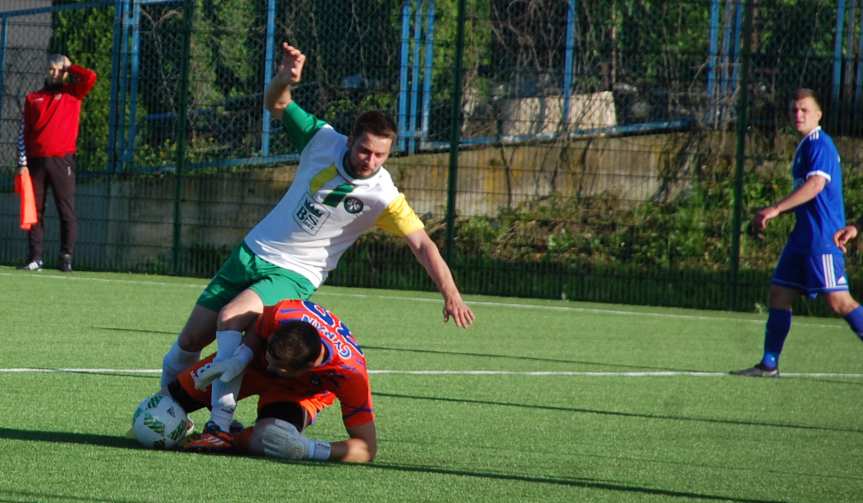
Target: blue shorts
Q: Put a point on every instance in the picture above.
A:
(811, 274)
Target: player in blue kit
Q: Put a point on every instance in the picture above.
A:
(811, 262)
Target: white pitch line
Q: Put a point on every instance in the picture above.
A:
(538, 373)
(513, 305)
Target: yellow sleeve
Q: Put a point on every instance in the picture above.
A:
(399, 218)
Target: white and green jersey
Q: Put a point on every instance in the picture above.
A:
(325, 209)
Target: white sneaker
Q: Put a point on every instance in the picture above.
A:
(35, 265)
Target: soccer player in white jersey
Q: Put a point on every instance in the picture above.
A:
(341, 190)
(811, 262)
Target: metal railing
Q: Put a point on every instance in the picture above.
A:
(539, 139)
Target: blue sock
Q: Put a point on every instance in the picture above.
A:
(855, 321)
(778, 326)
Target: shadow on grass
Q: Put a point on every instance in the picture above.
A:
(18, 496)
(125, 443)
(64, 437)
(106, 372)
(527, 358)
(709, 420)
(603, 485)
(135, 330)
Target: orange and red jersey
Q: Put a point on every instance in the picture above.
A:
(342, 374)
(51, 115)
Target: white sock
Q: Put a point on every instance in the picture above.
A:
(223, 398)
(175, 361)
(227, 341)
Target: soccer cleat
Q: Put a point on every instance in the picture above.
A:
(33, 265)
(213, 439)
(65, 262)
(757, 371)
(236, 427)
(190, 427)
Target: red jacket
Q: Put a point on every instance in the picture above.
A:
(51, 115)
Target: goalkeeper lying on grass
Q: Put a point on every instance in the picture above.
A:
(298, 358)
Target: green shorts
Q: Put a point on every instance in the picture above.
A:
(243, 270)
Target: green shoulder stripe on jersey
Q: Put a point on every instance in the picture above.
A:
(300, 125)
(323, 177)
(338, 194)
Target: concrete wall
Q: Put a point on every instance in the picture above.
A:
(126, 222)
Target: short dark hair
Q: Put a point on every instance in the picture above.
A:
(56, 59)
(803, 93)
(296, 343)
(376, 123)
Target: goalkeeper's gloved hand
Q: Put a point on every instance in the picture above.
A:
(282, 440)
(226, 370)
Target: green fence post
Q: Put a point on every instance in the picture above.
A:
(188, 13)
(455, 135)
(742, 126)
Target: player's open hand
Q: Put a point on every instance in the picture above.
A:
(460, 313)
(291, 67)
(759, 221)
(844, 235)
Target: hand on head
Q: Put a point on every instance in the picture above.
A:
(291, 67)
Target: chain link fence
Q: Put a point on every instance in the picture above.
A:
(599, 151)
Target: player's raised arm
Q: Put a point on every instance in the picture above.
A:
(278, 94)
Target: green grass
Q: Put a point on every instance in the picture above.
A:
(459, 436)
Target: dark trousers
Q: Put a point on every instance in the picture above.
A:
(58, 173)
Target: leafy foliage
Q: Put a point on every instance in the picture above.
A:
(85, 36)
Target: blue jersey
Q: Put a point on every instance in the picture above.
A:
(817, 220)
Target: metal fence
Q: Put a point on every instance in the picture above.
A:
(587, 149)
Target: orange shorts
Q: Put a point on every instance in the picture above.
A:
(270, 389)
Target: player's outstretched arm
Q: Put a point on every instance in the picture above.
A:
(427, 254)
(278, 93)
(280, 439)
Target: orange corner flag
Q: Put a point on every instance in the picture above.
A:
(24, 188)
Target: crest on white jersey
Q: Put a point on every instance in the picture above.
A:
(310, 215)
(353, 205)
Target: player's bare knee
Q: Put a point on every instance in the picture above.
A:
(781, 298)
(241, 312)
(233, 318)
(841, 303)
(191, 340)
(199, 329)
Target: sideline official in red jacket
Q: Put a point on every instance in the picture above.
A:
(47, 142)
